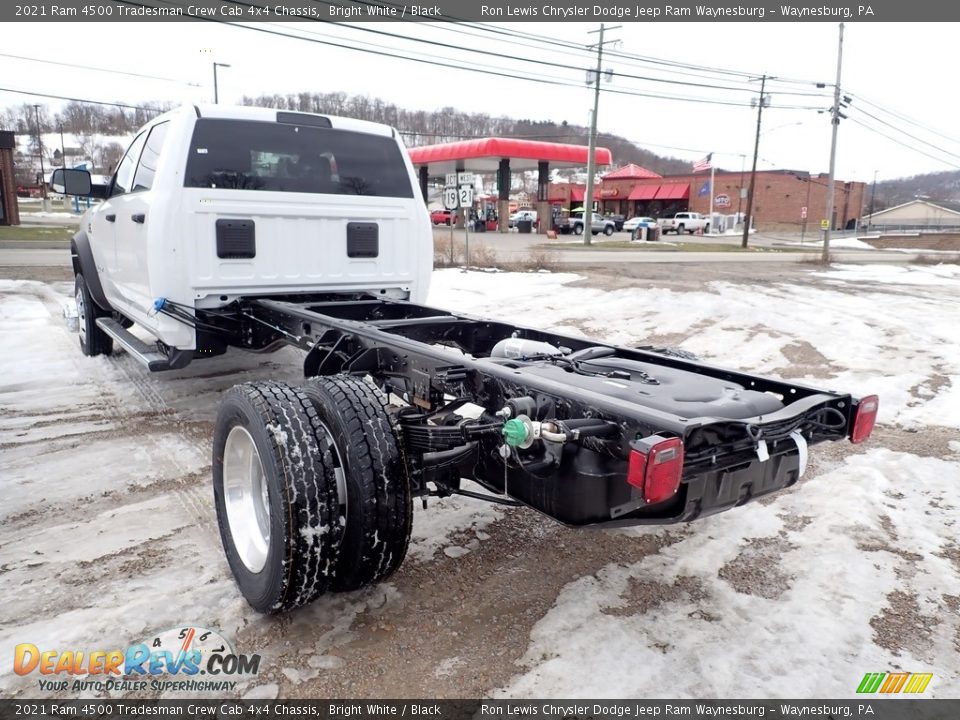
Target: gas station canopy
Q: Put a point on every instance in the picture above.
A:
(485, 154)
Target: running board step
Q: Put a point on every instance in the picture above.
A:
(148, 355)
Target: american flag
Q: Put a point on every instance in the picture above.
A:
(703, 164)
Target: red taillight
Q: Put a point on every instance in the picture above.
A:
(865, 419)
(655, 468)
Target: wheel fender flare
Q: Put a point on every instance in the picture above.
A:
(83, 264)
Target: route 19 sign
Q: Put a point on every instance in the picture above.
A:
(450, 199)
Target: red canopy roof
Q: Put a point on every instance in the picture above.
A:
(643, 192)
(673, 191)
(484, 154)
(630, 172)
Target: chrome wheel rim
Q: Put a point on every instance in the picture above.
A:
(246, 499)
(81, 317)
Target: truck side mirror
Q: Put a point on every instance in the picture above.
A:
(71, 182)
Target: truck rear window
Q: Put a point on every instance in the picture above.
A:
(280, 157)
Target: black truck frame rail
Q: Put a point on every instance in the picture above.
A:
(439, 362)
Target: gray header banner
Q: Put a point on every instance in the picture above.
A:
(620, 11)
(865, 709)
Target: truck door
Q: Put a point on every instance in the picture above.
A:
(106, 222)
(133, 222)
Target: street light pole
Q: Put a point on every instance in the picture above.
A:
(43, 173)
(825, 257)
(753, 171)
(216, 98)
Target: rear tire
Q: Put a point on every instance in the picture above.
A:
(360, 438)
(578, 229)
(276, 496)
(680, 230)
(93, 340)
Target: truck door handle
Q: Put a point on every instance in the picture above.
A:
(139, 218)
(110, 218)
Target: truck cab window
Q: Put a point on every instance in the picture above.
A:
(123, 180)
(143, 179)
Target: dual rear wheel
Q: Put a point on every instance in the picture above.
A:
(311, 489)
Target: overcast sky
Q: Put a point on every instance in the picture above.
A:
(907, 70)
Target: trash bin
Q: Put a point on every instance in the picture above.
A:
(646, 233)
(525, 226)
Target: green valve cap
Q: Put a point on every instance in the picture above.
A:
(514, 432)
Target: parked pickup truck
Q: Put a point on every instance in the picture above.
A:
(574, 224)
(257, 229)
(682, 222)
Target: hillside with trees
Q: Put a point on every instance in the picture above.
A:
(421, 127)
(101, 131)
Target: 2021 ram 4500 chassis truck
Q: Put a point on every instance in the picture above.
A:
(253, 228)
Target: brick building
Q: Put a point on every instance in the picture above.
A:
(780, 196)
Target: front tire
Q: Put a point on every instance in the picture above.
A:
(608, 230)
(360, 438)
(93, 340)
(578, 229)
(276, 496)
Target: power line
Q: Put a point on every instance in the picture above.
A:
(451, 65)
(80, 100)
(97, 69)
(905, 118)
(904, 132)
(904, 145)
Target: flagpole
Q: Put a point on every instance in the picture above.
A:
(710, 221)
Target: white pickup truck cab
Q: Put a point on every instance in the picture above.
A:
(212, 203)
(682, 222)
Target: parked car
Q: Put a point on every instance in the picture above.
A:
(618, 221)
(443, 217)
(530, 215)
(639, 221)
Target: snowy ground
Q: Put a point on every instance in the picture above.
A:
(108, 533)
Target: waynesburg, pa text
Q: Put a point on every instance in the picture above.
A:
(665, 12)
(600, 711)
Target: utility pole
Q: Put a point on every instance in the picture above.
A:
(753, 171)
(825, 257)
(63, 149)
(873, 195)
(43, 173)
(592, 142)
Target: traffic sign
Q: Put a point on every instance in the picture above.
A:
(460, 178)
(824, 224)
(466, 195)
(450, 199)
(803, 213)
